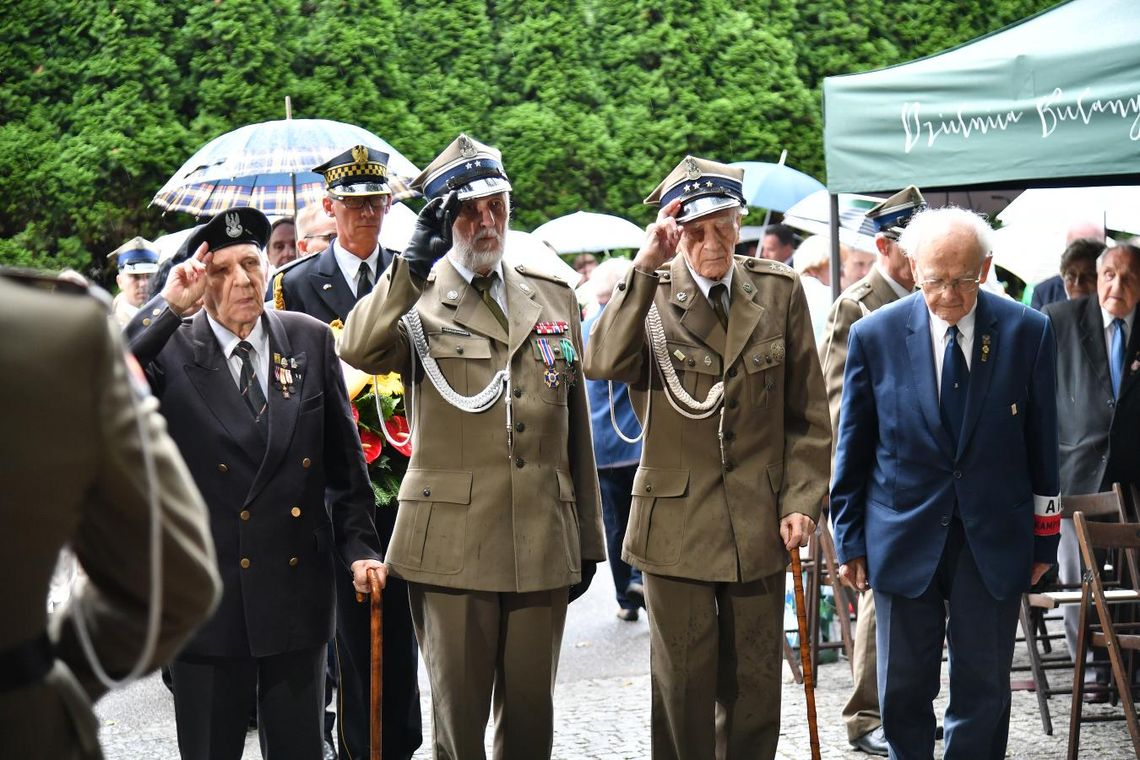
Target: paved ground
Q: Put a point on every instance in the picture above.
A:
(602, 704)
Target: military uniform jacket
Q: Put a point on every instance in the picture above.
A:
(278, 544)
(315, 285)
(859, 300)
(693, 514)
(476, 513)
(72, 467)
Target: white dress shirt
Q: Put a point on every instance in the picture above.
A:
(938, 328)
(1110, 330)
(350, 263)
(705, 284)
(498, 289)
(259, 356)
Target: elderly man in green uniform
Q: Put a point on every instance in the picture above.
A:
(499, 511)
(889, 280)
(734, 465)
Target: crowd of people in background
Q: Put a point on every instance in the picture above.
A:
(552, 435)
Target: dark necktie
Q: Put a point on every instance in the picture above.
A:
(363, 281)
(483, 285)
(955, 380)
(1116, 357)
(718, 297)
(250, 388)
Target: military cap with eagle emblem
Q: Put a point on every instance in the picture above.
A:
(360, 170)
(468, 166)
(893, 215)
(136, 256)
(703, 186)
(231, 227)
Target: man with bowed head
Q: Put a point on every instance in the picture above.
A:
(719, 499)
(256, 402)
(499, 525)
(944, 496)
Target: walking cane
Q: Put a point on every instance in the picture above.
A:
(376, 603)
(805, 652)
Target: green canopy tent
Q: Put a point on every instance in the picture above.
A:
(1051, 100)
(1053, 97)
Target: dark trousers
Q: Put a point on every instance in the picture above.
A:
(213, 697)
(617, 484)
(980, 639)
(400, 719)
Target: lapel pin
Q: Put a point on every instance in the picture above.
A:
(682, 296)
(1013, 409)
(327, 286)
(986, 353)
(452, 295)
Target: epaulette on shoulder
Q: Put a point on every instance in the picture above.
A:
(767, 266)
(527, 272)
(858, 292)
(286, 267)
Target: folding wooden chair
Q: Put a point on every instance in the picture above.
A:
(1035, 605)
(1114, 636)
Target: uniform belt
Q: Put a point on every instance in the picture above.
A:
(26, 663)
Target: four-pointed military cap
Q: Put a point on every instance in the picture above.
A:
(360, 170)
(703, 186)
(893, 215)
(136, 256)
(467, 166)
(233, 226)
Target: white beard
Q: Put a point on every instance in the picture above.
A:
(464, 252)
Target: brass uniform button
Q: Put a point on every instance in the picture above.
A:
(649, 488)
(306, 462)
(521, 427)
(520, 462)
(244, 514)
(518, 392)
(293, 562)
(427, 492)
(156, 312)
(244, 563)
(146, 322)
(459, 350)
(223, 468)
(295, 511)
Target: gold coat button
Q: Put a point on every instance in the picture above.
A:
(293, 562)
(146, 322)
(648, 487)
(306, 462)
(155, 312)
(223, 468)
(244, 563)
(295, 511)
(244, 514)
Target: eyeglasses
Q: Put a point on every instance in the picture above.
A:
(325, 238)
(355, 202)
(958, 285)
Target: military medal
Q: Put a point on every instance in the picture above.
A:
(551, 328)
(283, 367)
(570, 356)
(985, 347)
(550, 376)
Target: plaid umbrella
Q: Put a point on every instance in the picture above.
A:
(268, 166)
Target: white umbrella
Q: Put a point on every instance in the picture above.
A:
(1031, 251)
(1118, 207)
(813, 214)
(587, 231)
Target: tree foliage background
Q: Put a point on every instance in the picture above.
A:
(591, 101)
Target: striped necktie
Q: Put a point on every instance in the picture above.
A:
(250, 388)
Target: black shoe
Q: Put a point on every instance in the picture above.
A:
(874, 742)
(629, 616)
(635, 593)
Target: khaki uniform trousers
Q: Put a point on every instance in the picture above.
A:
(861, 713)
(481, 646)
(715, 658)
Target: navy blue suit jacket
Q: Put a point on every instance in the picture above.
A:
(898, 480)
(297, 505)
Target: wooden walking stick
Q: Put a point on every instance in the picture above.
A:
(805, 652)
(377, 701)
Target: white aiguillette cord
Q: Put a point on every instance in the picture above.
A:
(480, 402)
(675, 393)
